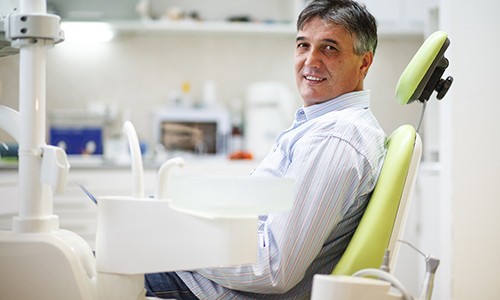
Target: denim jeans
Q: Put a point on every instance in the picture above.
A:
(167, 286)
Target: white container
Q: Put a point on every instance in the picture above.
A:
(351, 288)
(268, 111)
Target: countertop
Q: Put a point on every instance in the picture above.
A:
(218, 164)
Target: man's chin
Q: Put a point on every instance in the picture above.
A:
(312, 101)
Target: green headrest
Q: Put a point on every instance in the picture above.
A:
(417, 75)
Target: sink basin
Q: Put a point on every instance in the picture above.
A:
(207, 221)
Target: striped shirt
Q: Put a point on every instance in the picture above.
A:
(334, 150)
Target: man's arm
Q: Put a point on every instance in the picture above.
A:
(330, 175)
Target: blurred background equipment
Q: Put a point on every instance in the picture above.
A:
(268, 111)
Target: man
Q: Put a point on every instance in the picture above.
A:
(334, 150)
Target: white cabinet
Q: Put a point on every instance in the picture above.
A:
(8, 191)
(190, 16)
(93, 10)
(226, 16)
(223, 10)
(258, 16)
(207, 10)
(395, 17)
(75, 210)
(399, 16)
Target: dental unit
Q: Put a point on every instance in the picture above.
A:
(39, 260)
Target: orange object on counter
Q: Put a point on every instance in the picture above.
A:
(240, 155)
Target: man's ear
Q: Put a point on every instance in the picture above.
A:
(366, 63)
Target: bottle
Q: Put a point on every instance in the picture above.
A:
(236, 147)
(186, 94)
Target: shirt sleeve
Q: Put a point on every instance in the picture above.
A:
(329, 173)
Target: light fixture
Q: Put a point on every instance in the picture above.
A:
(87, 32)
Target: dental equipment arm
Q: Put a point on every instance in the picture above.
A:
(53, 263)
(29, 30)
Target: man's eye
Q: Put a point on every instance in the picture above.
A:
(330, 48)
(301, 45)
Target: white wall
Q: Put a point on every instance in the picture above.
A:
(391, 58)
(139, 72)
(470, 143)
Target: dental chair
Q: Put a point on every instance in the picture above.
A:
(383, 222)
(374, 247)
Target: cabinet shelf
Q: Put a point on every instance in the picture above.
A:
(194, 27)
(164, 27)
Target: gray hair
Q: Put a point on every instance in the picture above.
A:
(351, 15)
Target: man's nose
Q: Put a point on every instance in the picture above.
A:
(313, 58)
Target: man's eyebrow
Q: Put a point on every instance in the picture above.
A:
(330, 41)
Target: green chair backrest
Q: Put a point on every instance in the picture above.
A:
(383, 220)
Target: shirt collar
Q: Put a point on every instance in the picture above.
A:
(360, 99)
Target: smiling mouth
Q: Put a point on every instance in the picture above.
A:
(314, 78)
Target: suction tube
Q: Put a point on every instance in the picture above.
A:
(136, 157)
(163, 176)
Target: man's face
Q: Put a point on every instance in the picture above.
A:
(325, 63)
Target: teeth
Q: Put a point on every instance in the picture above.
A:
(313, 78)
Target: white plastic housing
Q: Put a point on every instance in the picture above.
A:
(208, 222)
(351, 288)
(141, 235)
(46, 266)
